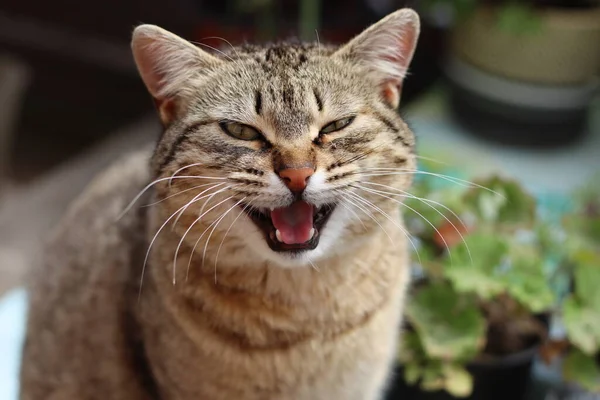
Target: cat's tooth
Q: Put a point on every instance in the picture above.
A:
(278, 234)
(312, 233)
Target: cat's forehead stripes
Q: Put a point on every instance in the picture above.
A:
(286, 108)
(280, 56)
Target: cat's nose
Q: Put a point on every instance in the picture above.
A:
(296, 179)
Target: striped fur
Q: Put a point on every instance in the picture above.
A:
(218, 315)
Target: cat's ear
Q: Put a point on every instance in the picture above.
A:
(386, 49)
(166, 63)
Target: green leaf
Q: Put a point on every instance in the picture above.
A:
(583, 370)
(432, 378)
(412, 373)
(478, 276)
(530, 290)
(411, 350)
(525, 280)
(582, 323)
(509, 203)
(587, 276)
(449, 325)
(459, 382)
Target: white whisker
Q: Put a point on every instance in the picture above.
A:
(353, 212)
(141, 193)
(154, 239)
(312, 264)
(431, 159)
(209, 195)
(215, 49)
(318, 41)
(369, 214)
(223, 240)
(395, 171)
(181, 169)
(187, 231)
(409, 195)
(225, 40)
(215, 227)
(376, 192)
(181, 192)
(395, 223)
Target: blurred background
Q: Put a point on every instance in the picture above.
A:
(496, 87)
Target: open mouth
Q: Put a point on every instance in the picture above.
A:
(294, 228)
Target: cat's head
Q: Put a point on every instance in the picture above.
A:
(283, 152)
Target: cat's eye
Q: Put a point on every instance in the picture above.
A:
(240, 131)
(337, 125)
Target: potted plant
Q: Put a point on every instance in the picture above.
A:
(476, 312)
(579, 345)
(523, 71)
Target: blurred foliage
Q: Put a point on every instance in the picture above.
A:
(482, 267)
(581, 307)
(488, 265)
(448, 325)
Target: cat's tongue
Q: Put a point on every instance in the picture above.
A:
(295, 223)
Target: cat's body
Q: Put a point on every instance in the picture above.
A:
(252, 315)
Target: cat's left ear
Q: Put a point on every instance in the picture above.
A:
(386, 49)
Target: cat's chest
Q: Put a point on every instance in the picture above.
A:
(347, 368)
(351, 365)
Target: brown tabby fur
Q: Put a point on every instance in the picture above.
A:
(237, 320)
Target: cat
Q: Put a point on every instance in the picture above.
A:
(266, 257)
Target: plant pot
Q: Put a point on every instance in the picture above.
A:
(525, 88)
(564, 51)
(505, 378)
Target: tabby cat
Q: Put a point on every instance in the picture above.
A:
(268, 262)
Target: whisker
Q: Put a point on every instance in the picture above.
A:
(431, 159)
(458, 181)
(183, 191)
(215, 49)
(223, 240)
(213, 230)
(198, 241)
(154, 239)
(353, 212)
(187, 231)
(183, 168)
(426, 202)
(318, 41)
(360, 156)
(194, 248)
(209, 195)
(395, 223)
(373, 191)
(369, 214)
(225, 40)
(412, 196)
(312, 264)
(141, 193)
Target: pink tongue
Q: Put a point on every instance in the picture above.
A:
(294, 222)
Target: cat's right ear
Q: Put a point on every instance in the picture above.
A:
(385, 49)
(166, 64)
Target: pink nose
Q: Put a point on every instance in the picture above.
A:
(296, 179)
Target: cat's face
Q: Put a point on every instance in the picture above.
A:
(278, 151)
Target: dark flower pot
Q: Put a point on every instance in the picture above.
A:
(506, 378)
